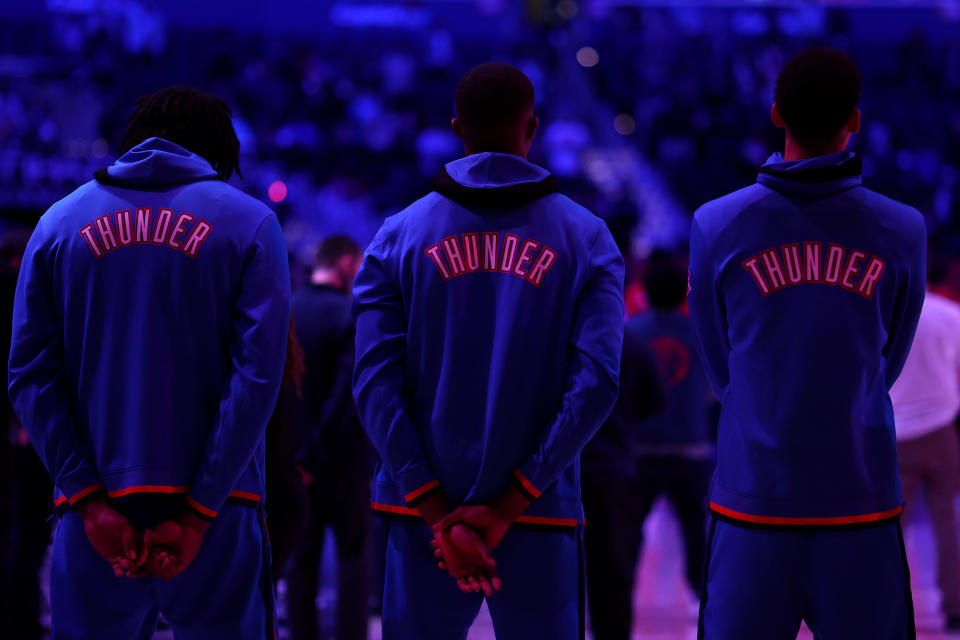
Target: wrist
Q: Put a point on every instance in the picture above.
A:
(511, 504)
(192, 521)
(90, 505)
(433, 509)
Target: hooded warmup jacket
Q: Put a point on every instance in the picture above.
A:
(805, 291)
(489, 329)
(149, 333)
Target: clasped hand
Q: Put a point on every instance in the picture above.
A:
(163, 551)
(462, 543)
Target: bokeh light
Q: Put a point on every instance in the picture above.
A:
(277, 191)
(588, 56)
(624, 124)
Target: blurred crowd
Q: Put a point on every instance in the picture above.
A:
(646, 113)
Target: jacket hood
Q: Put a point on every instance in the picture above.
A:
(154, 164)
(496, 180)
(821, 175)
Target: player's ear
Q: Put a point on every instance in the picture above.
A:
(776, 117)
(532, 125)
(853, 122)
(457, 128)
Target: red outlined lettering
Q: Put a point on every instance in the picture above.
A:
(868, 283)
(752, 265)
(124, 227)
(201, 231)
(105, 230)
(791, 260)
(182, 219)
(142, 235)
(509, 254)
(434, 252)
(811, 261)
(490, 242)
(520, 267)
(87, 233)
(835, 253)
(454, 255)
(771, 262)
(545, 262)
(852, 269)
(471, 251)
(164, 217)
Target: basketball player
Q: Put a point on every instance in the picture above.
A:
(805, 292)
(149, 334)
(489, 328)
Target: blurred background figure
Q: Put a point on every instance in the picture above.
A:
(667, 453)
(25, 481)
(334, 453)
(289, 507)
(926, 400)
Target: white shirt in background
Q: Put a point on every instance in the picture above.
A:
(926, 396)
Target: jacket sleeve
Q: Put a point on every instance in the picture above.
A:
(707, 312)
(909, 303)
(38, 390)
(378, 376)
(261, 319)
(596, 341)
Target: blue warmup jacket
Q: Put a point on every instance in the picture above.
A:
(805, 292)
(682, 424)
(149, 333)
(489, 328)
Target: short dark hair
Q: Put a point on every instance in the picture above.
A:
(493, 95)
(664, 281)
(196, 120)
(817, 92)
(335, 247)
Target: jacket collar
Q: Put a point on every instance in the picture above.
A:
(816, 176)
(494, 180)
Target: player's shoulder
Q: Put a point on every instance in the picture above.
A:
(715, 215)
(572, 213)
(895, 214)
(229, 200)
(943, 306)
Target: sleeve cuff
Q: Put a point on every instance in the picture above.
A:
(417, 483)
(526, 487)
(420, 494)
(85, 494)
(199, 510)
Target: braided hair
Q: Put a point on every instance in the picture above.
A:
(196, 120)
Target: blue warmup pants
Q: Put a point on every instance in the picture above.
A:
(846, 584)
(542, 595)
(225, 594)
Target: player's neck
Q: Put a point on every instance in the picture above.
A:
(794, 151)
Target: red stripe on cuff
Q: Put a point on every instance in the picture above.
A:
(83, 493)
(59, 501)
(389, 508)
(536, 493)
(413, 495)
(810, 522)
(210, 513)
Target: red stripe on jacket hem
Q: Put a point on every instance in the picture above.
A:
(416, 493)
(539, 520)
(536, 493)
(816, 521)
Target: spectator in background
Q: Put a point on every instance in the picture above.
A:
(285, 482)
(27, 499)
(669, 453)
(926, 399)
(334, 451)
